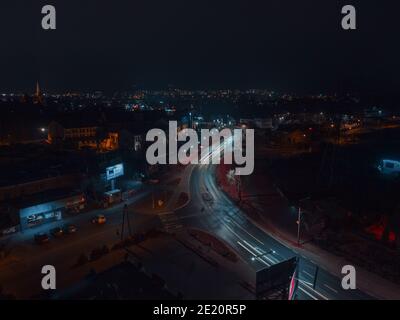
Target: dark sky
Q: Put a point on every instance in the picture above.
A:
(284, 45)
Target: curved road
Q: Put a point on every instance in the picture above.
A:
(223, 218)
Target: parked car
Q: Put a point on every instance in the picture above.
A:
(70, 229)
(99, 219)
(57, 232)
(41, 238)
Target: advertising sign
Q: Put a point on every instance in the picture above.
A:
(115, 171)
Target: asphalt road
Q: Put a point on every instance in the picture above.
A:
(210, 209)
(22, 276)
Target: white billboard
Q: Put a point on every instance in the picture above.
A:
(115, 171)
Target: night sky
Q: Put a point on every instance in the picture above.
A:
(284, 45)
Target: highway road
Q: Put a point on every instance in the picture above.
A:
(211, 210)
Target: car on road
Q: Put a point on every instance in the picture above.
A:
(99, 219)
(70, 229)
(207, 197)
(57, 232)
(41, 238)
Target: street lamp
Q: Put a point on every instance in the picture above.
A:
(299, 221)
(298, 226)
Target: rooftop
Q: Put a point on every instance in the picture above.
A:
(123, 281)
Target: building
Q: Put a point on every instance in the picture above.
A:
(26, 188)
(38, 209)
(29, 187)
(260, 123)
(107, 143)
(49, 207)
(81, 133)
(9, 220)
(131, 140)
(38, 96)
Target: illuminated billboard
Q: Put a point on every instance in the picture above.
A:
(115, 171)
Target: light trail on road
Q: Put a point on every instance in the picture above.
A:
(224, 219)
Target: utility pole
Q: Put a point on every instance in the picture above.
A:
(299, 220)
(152, 198)
(239, 187)
(298, 226)
(315, 276)
(125, 213)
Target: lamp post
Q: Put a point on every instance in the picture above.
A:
(298, 226)
(239, 187)
(299, 220)
(253, 258)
